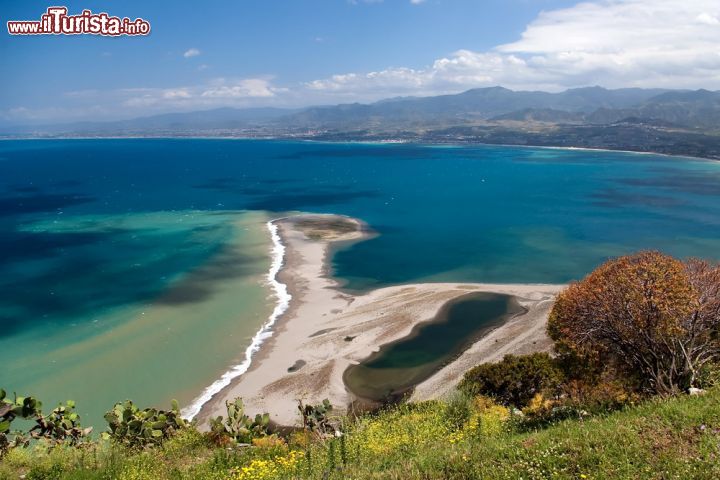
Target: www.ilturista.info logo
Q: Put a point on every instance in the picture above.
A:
(56, 21)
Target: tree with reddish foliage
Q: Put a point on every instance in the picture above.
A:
(648, 315)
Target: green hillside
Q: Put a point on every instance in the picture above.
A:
(663, 438)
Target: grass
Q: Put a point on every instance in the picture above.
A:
(662, 439)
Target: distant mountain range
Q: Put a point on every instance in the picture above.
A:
(695, 109)
(679, 121)
(472, 105)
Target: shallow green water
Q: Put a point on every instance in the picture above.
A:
(170, 346)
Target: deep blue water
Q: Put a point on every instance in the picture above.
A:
(486, 214)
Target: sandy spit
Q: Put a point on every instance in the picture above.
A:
(310, 337)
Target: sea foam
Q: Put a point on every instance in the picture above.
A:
(280, 292)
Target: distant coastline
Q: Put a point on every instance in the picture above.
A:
(418, 142)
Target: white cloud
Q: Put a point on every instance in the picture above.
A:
(122, 103)
(417, 2)
(218, 92)
(89, 93)
(193, 52)
(176, 93)
(707, 19)
(247, 88)
(131, 102)
(614, 43)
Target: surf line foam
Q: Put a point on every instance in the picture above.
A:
(280, 292)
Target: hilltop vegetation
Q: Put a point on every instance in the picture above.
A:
(676, 438)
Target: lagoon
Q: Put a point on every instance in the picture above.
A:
(400, 365)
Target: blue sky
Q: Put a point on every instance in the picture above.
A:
(299, 52)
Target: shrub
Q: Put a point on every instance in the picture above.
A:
(238, 426)
(403, 429)
(515, 380)
(709, 375)
(62, 425)
(135, 428)
(538, 406)
(269, 442)
(22, 407)
(316, 418)
(184, 442)
(488, 419)
(602, 395)
(646, 315)
(458, 408)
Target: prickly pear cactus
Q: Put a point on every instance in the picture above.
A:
(316, 417)
(136, 428)
(62, 425)
(238, 425)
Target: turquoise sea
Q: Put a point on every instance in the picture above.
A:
(135, 268)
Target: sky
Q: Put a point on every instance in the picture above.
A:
(294, 53)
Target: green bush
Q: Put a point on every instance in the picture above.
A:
(20, 407)
(708, 376)
(458, 409)
(135, 428)
(515, 380)
(316, 418)
(238, 426)
(62, 425)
